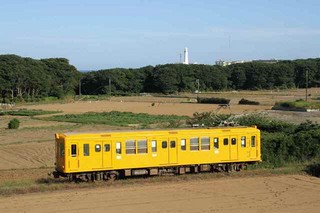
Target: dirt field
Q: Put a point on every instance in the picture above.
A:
(32, 146)
(30, 150)
(179, 105)
(160, 108)
(294, 193)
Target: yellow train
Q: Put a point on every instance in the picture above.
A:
(114, 154)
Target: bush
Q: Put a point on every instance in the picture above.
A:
(248, 102)
(207, 119)
(313, 169)
(282, 142)
(14, 124)
(213, 100)
(296, 105)
(265, 123)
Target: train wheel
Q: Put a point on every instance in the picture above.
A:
(113, 176)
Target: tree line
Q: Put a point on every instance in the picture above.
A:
(174, 78)
(29, 79)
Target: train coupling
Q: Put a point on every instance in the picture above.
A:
(55, 174)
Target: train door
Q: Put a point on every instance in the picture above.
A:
(73, 151)
(224, 149)
(244, 147)
(96, 157)
(233, 148)
(173, 151)
(253, 147)
(163, 151)
(107, 156)
(216, 149)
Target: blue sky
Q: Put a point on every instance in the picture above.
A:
(100, 34)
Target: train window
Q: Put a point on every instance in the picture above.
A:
(183, 144)
(194, 144)
(164, 144)
(107, 147)
(97, 148)
(86, 149)
(73, 150)
(253, 141)
(216, 143)
(142, 146)
(172, 144)
(154, 146)
(233, 141)
(243, 141)
(205, 143)
(61, 149)
(118, 148)
(225, 141)
(130, 147)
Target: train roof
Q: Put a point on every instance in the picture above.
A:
(156, 130)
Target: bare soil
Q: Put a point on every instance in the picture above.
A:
(159, 108)
(181, 104)
(28, 153)
(32, 146)
(290, 193)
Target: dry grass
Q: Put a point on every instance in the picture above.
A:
(40, 183)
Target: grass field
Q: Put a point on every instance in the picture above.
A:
(114, 118)
(27, 112)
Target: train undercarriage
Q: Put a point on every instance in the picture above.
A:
(111, 175)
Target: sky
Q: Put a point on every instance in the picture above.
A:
(101, 34)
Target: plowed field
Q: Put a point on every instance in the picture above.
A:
(294, 193)
(32, 148)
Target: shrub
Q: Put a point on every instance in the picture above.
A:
(296, 105)
(213, 100)
(265, 123)
(14, 124)
(282, 142)
(248, 102)
(313, 169)
(207, 119)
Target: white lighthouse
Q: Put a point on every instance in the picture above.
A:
(186, 58)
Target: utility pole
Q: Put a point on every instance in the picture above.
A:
(198, 83)
(79, 87)
(307, 76)
(110, 87)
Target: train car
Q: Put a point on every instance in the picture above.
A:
(114, 154)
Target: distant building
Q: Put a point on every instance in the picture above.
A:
(227, 63)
